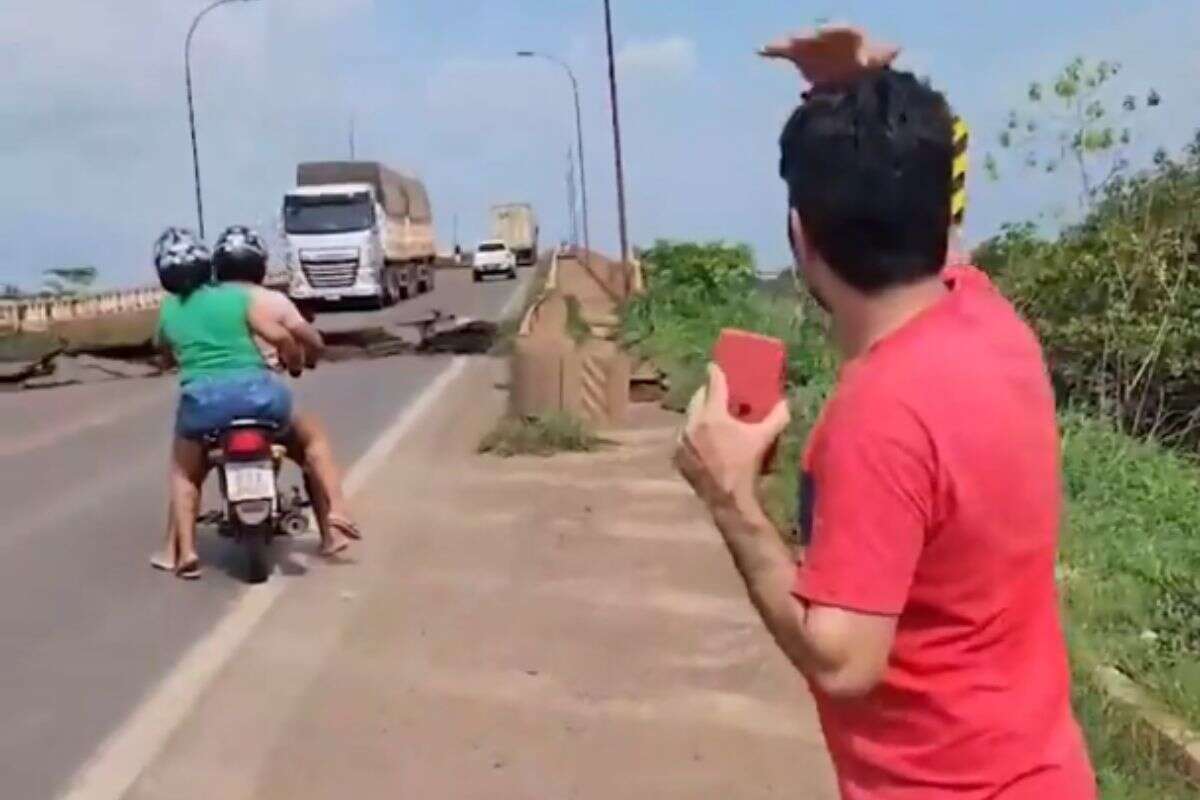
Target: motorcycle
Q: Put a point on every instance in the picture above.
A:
(248, 458)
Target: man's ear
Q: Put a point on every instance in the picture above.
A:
(795, 233)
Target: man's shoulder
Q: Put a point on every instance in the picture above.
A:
(277, 302)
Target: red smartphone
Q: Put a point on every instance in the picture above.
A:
(755, 368)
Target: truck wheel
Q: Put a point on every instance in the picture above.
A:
(475, 276)
(389, 287)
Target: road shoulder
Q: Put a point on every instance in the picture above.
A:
(567, 627)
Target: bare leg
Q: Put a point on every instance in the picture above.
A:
(167, 557)
(187, 476)
(329, 499)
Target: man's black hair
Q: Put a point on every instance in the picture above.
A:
(868, 168)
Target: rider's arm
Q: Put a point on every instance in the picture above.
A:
(286, 313)
(164, 354)
(305, 334)
(266, 325)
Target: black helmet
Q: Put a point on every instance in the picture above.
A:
(183, 263)
(240, 255)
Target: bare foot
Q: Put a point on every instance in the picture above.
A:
(334, 544)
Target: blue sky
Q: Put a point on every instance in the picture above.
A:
(93, 138)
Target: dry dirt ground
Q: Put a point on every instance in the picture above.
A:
(561, 628)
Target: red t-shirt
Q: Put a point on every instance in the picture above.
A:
(932, 493)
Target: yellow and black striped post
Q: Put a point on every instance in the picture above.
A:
(958, 197)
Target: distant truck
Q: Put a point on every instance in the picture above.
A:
(516, 225)
(357, 231)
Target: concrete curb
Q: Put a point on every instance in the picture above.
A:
(1171, 735)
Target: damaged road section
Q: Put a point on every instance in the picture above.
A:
(72, 365)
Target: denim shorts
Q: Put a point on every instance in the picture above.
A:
(208, 405)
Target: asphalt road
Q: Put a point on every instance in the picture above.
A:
(86, 627)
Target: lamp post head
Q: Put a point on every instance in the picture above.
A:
(526, 54)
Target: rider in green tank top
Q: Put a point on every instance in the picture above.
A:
(209, 334)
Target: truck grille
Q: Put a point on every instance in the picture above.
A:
(331, 274)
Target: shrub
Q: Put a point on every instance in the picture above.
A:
(1116, 299)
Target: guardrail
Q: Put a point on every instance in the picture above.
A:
(551, 283)
(39, 313)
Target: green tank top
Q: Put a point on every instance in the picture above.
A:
(209, 333)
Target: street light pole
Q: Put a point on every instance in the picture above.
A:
(187, 60)
(616, 119)
(587, 236)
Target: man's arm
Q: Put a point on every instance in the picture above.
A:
(308, 337)
(266, 325)
(286, 313)
(843, 652)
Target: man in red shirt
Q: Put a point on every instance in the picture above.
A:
(924, 612)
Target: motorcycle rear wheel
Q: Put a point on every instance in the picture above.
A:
(257, 543)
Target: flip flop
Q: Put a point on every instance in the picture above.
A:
(162, 563)
(346, 527)
(189, 570)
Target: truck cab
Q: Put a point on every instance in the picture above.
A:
(335, 250)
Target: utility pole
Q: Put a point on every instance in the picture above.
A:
(616, 122)
(352, 153)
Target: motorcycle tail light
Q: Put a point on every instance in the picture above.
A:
(247, 443)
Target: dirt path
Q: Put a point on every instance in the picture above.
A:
(569, 628)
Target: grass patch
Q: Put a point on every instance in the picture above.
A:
(1131, 560)
(544, 435)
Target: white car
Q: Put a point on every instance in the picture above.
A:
(494, 258)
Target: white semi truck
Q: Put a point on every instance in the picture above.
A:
(357, 231)
(516, 225)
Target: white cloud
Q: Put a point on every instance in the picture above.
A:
(672, 58)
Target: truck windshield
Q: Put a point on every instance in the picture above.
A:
(328, 214)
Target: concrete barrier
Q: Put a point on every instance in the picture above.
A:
(551, 372)
(39, 314)
(10, 316)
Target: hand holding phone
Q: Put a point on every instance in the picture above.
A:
(755, 368)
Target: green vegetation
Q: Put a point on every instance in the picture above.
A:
(1130, 560)
(694, 292)
(1068, 125)
(541, 436)
(1116, 299)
